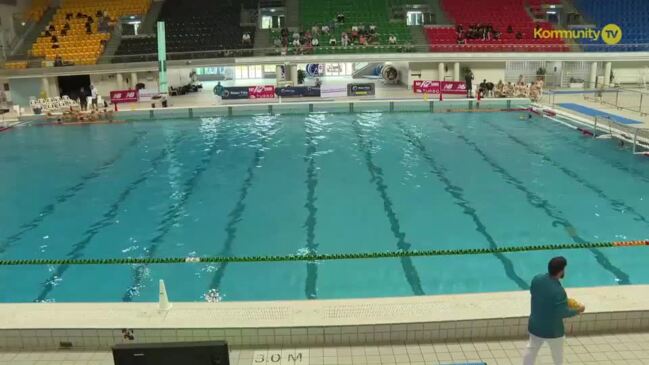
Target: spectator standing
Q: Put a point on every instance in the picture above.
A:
(344, 39)
(93, 95)
(340, 18)
(83, 99)
(468, 81)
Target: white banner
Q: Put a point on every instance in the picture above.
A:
(333, 91)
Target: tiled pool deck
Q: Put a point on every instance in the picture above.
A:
(620, 349)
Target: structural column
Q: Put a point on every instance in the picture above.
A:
(293, 73)
(45, 86)
(456, 71)
(120, 81)
(133, 80)
(593, 75)
(607, 73)
(440, 70)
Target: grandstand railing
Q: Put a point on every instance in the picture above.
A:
(328, 50)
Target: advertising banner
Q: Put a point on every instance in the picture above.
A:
(123, 96)
(360, 89)
(426, 87)
(235, 92)
(297, 91)
(333, 91)
(434, 87)
(454, 87)
(148, 94)
(261, 92)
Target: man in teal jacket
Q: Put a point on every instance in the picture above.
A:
(549, 308)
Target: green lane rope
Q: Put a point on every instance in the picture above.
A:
(323, 257)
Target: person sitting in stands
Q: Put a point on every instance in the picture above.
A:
(332, 41)
(372, 29)
(81, 15)
(88, 28)
(99, 13)
(362, 40)
(277, 42)
(510, 29)
(340, 18)
(315, 29)
(497, 35)
(344, 39)
(308, 47)
(296, 43)
(52, 28)
(284, 33)
(66, 26)
(315, 42)
(90, 20)
(354, 34)
(519, 35)
(68, 16)
(296, 35)
(54, 39)
(392, 40)
(55, 45)
(325, 29)
(58, 62)
(245, 39)
(47, 33)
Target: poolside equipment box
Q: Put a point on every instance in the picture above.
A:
(173, 353)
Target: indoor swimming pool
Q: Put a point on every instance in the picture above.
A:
(320, 182)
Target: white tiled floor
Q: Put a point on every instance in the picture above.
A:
(626, 349)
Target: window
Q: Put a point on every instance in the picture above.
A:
(415, 18)
(269, 68)
(248, 72)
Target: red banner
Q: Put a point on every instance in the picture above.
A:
(454, 87)
(261, 92)
(434, 87)
(426, 87)
(124, 96)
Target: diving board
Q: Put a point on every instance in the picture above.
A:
(598, 113)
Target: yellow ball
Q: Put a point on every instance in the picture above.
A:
(573, 304)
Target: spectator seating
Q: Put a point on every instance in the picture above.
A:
(36, 10)
(357, 13)
(15, 65)
(196, 29)
(76, 45)
(630, 15)
(500, 14)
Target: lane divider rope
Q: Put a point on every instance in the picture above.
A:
(323, 257)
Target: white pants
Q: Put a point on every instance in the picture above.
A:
(533, 347)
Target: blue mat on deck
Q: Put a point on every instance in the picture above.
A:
(598, 113)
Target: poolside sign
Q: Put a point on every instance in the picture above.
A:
(123, 96)
(435, 87)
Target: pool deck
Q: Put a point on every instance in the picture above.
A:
(484, 316)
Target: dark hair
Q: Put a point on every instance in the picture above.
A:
(556, 265)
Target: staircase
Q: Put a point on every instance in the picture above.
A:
(151, 18)
(365, 69)
(440, 14)
(292, 14)
(112, 45)
(418, 38)
(262, 44)
(24, 43)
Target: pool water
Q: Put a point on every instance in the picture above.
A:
(326, 183)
